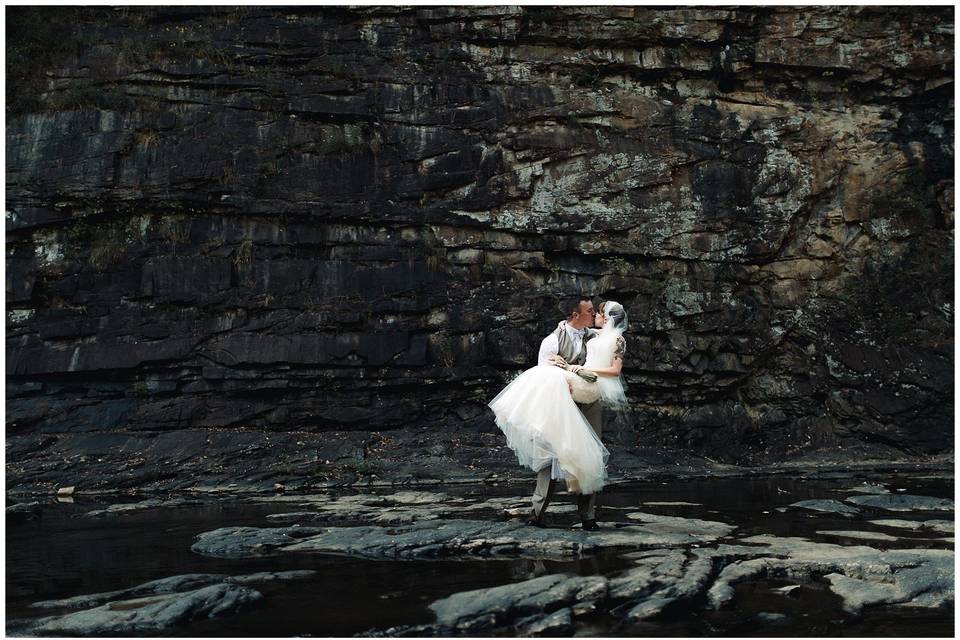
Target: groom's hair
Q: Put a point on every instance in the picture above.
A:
(572, 305)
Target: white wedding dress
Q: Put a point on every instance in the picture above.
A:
(539, 416)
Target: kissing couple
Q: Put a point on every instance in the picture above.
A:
(552, 414)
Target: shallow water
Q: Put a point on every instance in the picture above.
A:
(60, 556)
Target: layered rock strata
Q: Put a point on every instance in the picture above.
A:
(359, 221)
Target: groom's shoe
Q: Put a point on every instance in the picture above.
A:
(590, 525)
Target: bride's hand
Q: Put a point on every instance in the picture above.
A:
(574, 368)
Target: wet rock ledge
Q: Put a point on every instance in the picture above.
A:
(893, 551)
(152, 606)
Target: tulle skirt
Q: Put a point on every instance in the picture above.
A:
(544, 427)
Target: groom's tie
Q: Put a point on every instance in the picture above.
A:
(578, 341)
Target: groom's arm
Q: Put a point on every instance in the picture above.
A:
(548, 348)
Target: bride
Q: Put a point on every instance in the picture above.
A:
(538, 412)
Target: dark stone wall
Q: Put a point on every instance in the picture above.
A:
(353, 224)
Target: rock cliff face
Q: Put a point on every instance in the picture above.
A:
(353, 224)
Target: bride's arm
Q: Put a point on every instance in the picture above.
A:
(609, 371)
(614, 369)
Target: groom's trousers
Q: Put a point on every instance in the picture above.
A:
(586, 503)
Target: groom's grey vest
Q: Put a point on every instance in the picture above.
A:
(565, 349)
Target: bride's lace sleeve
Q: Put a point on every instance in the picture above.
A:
(620, 349)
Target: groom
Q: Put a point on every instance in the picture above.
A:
(568, 345)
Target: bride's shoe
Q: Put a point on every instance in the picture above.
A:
(573, 485)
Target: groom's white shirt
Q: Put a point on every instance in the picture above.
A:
(551, 344)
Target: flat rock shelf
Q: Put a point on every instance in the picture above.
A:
(742, 556)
